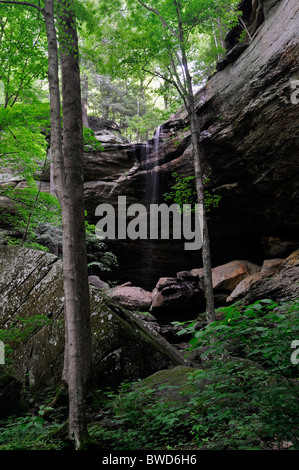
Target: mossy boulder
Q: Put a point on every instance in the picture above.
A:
(124, 347)
(182, 383)
(174, 386)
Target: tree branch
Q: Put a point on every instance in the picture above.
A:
(28, 4)
(156, 12)
(168, 80)
(15, 200)
(34, 204)
(245, 27)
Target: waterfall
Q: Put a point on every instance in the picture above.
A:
(152, 196)
(156, 185)
(152, 165)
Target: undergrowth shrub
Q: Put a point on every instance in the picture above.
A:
(137, 420)
(31, 431)
(245, 407)
(250, 397)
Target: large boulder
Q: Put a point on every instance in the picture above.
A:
(243, 287)
(124, 348)
(226, 277)
(278, 280)
(132, 297)
(107, 137)
(97, 282)
(177, 298)
(270, 266)
(183, 296)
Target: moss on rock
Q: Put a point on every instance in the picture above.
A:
(124, 348)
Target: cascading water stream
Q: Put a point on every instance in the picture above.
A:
(152, 191)
(152, 167)
(155, 169)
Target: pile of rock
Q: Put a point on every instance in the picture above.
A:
(183, 296)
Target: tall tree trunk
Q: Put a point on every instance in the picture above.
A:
(85, 101)
(197, 156)
(206, 255)
(77, 359)
(57, 160)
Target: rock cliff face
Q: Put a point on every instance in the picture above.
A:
(249, 122)
(249, 135)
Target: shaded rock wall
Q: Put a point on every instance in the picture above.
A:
(249, 136)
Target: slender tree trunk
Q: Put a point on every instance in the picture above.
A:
(216, 42)
(197, 155)
(221, 33)
(52, 186)
(55, 105)
(85, 101)
(77, 360)
(206, 256)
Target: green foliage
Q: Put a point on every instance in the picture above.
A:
(33, 211)
(138, 127)
(139, 421)
(23, 145)
(131, 103)
(256, 405)
(128, 58)
(244, 398)
(29, 244)
(42, 209)
(23, 59)
(183, 192)
(23, 156)
(44, 230)
(262, 332)
(49, 234)
(147, 35)
(99, 259)
(28, 432)
(245, 407)
(91, 144)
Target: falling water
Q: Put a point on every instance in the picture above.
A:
(152, 197)
(156, 167)
(154, 173)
